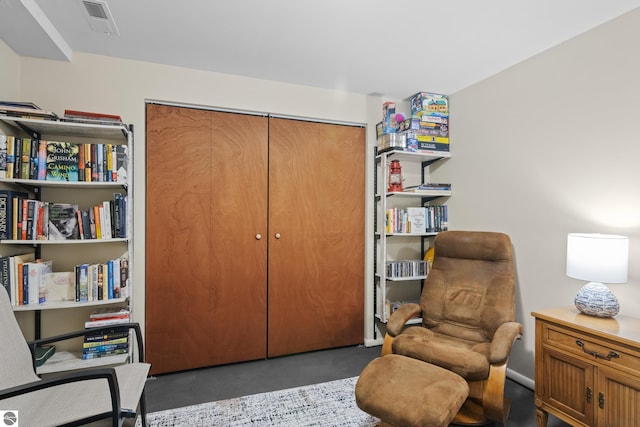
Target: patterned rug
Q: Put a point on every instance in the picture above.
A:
(325, 404)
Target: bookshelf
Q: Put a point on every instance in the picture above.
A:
(399, 269)
(89, 250)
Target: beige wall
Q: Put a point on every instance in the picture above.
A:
(542, 149)
(9, 73)
(548, 147)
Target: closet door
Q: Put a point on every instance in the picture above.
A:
(206, 210)
(316, 236)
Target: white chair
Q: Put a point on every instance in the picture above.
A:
(73, 399)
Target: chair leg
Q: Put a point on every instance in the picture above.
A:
(496, 405)
(486, 402)
(143, 410)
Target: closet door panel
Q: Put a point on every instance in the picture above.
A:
(205, 270)
(316, 236)
(238, 240)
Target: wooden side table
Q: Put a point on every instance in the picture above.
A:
(587, 369)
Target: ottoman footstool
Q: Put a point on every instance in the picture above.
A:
(403, 392)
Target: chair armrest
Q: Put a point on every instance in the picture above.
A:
(103, 373)
(402, 315)
(75, 334)
(503, 340)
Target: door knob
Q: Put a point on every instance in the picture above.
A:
(277, 235)
(258, 236)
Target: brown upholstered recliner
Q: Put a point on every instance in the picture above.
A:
(468, 326)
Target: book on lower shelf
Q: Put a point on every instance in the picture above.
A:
(429, 188)
(107, 342)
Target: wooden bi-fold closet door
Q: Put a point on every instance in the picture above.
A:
(316, 236)
(206, 197)
(232, 198)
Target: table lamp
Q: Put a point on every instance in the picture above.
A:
(598, 258)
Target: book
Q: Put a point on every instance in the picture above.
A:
(106, 322)
(3, 155)
(42, 160)
(17, 156)
(429, 188)
(63, 222)
(82, 280)
(62, 161)
(124, 277)
(90, 117)
(16, 280)
(105, 335)
(416, 218)
(118, 312)
(104, 354)
(25, 163)
(97, 344)
(25, 109)
(60, 285)
(7, 212)
(34, 280)
(11, 146)
(5, 275)
(122, 162)
(86, 224)
(105, 348)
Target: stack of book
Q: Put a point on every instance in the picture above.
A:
(108, 342)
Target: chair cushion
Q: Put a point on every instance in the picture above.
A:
(468, 359)
(406, 392)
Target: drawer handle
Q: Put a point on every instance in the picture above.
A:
(612, 354)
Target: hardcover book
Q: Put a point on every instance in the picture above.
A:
(7, 212)
(63, 222)
(62, 161)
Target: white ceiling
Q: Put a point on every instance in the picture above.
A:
(393, 48)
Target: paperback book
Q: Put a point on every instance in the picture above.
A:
(62, 161)
(63, 222)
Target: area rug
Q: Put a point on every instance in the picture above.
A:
(325, 404)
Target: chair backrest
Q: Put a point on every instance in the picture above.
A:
(470, 290)
(16, 363)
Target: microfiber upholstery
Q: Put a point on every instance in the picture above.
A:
(407, 392)
(467, 306)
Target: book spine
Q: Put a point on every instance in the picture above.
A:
(25, 165)
(105, 348)
(106, 336)
(11, 156)
(5, 277)
(109, 268)
(33, 159)
(42, 160)
(104, 354)
(17, 168)
(94, 344)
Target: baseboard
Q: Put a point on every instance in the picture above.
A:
(521, 379)
(373, 343)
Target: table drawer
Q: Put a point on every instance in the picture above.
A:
(592, 348)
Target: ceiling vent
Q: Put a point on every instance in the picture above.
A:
(99, 17)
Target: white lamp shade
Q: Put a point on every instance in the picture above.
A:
(600, 258)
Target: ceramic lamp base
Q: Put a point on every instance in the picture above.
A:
(595, 299)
